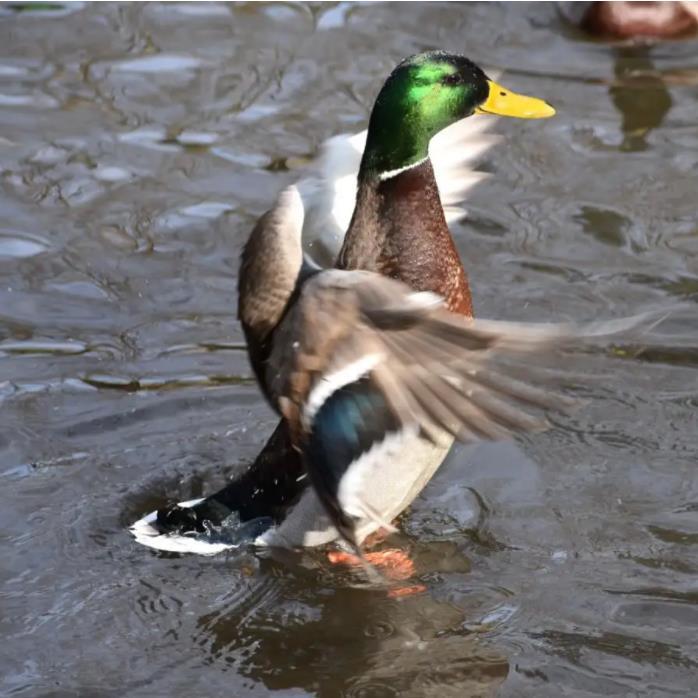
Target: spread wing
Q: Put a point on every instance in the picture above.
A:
(438, 370)
(359, 356)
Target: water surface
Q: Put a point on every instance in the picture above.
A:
(138, 145)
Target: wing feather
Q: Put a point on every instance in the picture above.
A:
(441, 373)
(445, 373)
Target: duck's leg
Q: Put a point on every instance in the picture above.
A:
(273, 482)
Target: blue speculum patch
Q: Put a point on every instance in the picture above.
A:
(350, 421)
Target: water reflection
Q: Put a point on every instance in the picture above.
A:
(308, 635)
(640, 94)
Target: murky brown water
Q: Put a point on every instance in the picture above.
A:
(138, 144)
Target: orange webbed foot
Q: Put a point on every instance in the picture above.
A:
(395, 564)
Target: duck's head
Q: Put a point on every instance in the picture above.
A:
(423, 95)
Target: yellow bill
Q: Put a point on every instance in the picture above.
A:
(506, 103)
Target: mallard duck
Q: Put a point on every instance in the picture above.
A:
(377, 364)
(630, 20)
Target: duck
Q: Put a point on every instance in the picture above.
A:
(640, 20)
(374, 364)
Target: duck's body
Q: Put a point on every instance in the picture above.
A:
(406, 462)
(364, 448)
(399, 230)
(399, 467)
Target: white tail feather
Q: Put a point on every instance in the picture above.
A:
(146, 533)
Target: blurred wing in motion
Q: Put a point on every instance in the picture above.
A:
(361, 359)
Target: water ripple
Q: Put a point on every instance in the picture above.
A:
(140, 141)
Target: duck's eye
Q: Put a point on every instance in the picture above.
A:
(453, 79)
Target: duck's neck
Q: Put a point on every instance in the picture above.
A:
(399, 230)
(391, 148)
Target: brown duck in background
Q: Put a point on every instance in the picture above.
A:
(651, 20)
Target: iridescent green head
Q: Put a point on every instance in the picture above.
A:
(425, 94)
